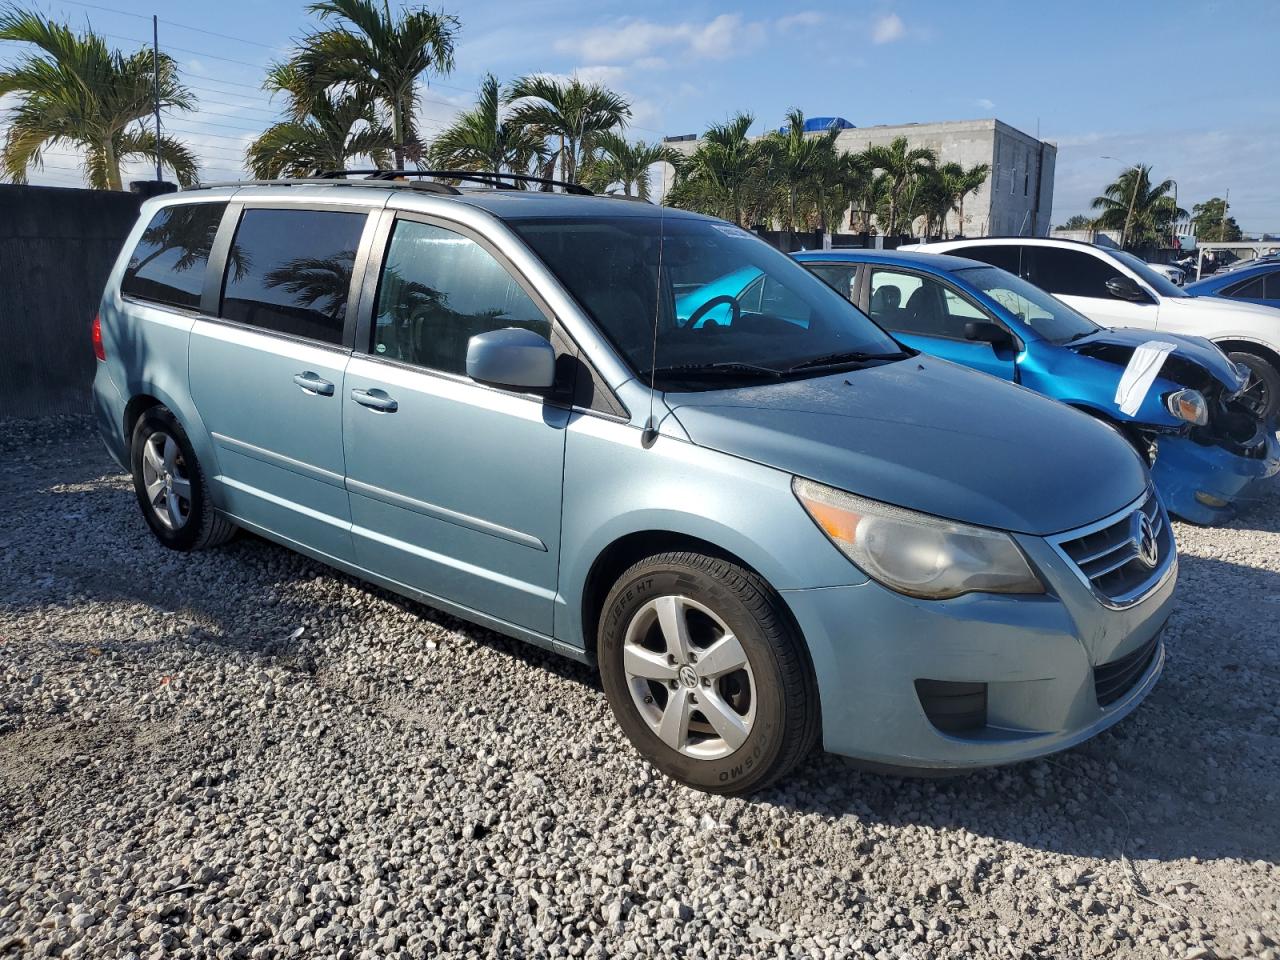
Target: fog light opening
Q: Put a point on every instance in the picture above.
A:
(1209, 500)
(953, 707)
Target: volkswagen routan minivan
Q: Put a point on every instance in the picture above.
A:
(775, 529)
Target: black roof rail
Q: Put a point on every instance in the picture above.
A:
(488, 178)
(427, 186)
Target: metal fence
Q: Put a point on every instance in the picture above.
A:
(57, 246)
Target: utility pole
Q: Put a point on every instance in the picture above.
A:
(1133, 197)
(155, 72)
(1222, 227)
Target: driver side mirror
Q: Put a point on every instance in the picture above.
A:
(1123, 288)
(514, 358)
(984, 331)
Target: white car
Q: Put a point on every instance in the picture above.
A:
(1174, 274)
(1116, 289)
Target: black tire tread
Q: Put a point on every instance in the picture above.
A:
(799, 686)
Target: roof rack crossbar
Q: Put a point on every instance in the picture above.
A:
(428, 186)
(489, 178)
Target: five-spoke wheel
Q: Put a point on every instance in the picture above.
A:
(705, 672)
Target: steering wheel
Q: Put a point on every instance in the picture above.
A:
(696, 317)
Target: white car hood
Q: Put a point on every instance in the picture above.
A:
(1221, 310)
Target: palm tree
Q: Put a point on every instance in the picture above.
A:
(335, 129)
(479, 139)
(570, 112)
(77, 92)
(1141, 211)
(723, 173)
(900, 167)
(797, 161)
(614, 160)
(376, 53)
(958, 184)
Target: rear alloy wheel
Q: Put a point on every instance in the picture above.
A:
(1261, 394)
(171, 487)
(705, 673)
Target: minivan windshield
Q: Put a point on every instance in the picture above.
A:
(1155, 280)
(1045, 314)
(727, 305)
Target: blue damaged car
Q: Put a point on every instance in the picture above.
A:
(775, 531)
(1208, 453)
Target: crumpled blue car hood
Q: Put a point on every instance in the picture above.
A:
(1196, 349)
(931, 436)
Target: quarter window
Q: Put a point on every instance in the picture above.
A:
(168, 264)
(289, 271)
(438, 290)
(1069, 273)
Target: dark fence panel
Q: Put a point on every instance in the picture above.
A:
(56, 248)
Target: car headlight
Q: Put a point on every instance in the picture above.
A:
(1188, 405)
(914, 553)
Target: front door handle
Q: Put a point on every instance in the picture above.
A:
(313, 383)
(375, 400)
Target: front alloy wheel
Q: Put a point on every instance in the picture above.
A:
(689, 677)
(706, 673)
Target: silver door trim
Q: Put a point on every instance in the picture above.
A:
(277, 459)
(445, 514)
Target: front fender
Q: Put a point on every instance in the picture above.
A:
(615, 487)
(1090, 383)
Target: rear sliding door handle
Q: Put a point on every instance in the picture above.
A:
(375, 400)
(313, 383)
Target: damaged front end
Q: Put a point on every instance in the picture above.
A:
(1206, 457)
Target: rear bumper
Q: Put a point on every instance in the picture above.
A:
(1185, 468)
(108, 415)
(1045, 663)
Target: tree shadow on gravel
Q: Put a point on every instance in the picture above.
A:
(1193, 771)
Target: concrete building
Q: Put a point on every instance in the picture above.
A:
(1017, 198)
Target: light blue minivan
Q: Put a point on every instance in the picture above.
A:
(786, 530)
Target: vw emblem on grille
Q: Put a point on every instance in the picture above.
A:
(1148, 546)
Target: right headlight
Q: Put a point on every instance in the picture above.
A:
(914, 553)
(1188, 405)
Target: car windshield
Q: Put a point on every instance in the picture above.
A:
(727, 305)
(1153, 278)
(1048, 316)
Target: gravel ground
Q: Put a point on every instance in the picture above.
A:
(242, 754)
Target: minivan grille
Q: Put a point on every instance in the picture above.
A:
(1124, 557)
(1113, 680)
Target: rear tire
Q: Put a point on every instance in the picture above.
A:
(706, 674)
(171, 487)
(1262, 393)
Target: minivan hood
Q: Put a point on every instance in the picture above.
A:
(931, 436)
(1203, 353)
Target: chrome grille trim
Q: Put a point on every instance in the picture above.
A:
(1106, 555)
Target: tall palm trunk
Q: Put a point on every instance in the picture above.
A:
(111, 164)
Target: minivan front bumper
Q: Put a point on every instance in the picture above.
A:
(1048, 671)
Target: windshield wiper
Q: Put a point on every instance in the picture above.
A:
(844, 358)
(719, 369)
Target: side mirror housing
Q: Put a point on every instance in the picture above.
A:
(984, 331)
(514, 358)
(1122, 288)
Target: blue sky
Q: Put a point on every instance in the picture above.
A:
(1189, 87)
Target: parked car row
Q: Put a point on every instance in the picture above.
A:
(1196, 421)
(646, 440)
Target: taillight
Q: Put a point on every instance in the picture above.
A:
(98, 350)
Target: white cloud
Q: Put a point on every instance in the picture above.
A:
(633, 39)
(805, 18)
(984, 103)
(887, 29)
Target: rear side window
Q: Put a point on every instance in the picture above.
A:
(841, 276)
(1069, 273)
(167, 266)
(439, 289)
(289, 271)
(1253, 289)
(1006, 256)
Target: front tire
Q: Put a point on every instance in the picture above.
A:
(706, 674)
(171, 487)
(1262, 392)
